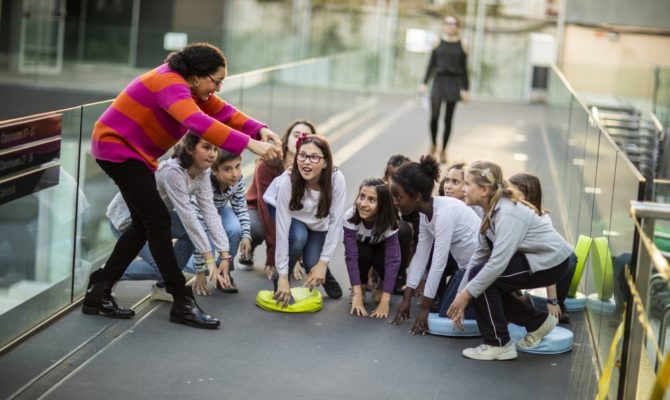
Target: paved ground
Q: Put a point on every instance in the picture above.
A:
(326, 355)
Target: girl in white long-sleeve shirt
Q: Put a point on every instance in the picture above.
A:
(518, 249)
(309, 210)
(445, 224)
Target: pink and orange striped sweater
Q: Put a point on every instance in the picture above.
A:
(155, 110)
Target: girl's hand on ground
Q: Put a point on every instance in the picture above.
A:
(298, 272)
(200, 286)
(283, 293)
(421, 323)
(402, 314)
(456, 311)
(554, 310)
(358, 306)
(245, 248)
(270, 272)
(382, 310)
(317, 275)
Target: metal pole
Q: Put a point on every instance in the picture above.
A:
(134, 34)
(478, 47)
(560, 30)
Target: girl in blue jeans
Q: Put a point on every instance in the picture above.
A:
(309, 210)
(185, 175)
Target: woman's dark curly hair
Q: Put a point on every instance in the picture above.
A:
(199, 59)
(418, 177)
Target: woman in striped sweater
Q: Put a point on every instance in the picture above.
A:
(147, 118)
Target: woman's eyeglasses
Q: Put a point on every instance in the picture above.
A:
(313, 158)
(216, 82)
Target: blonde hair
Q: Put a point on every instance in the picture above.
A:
(489, 174)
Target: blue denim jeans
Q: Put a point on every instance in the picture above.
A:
(146, 268)
(302, 241)
(233, 231)
(305, 242)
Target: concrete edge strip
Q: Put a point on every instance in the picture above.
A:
(67, 365)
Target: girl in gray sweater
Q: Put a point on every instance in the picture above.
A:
(518, 249)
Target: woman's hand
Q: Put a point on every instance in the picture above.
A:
(456, 311)
(465, 96)
(264, 150)
(382, 310)
(357, 302)
(268, 136)
(423, 88)
(554, 310)
(283, 293)
(200, 285)
(317, 275)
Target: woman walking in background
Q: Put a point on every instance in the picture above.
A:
(448, 65)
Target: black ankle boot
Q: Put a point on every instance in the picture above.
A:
(332, 288)
(186, 311)
(99, 300)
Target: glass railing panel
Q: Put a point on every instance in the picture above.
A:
(37, 241)
(587, 194)
(576, 153)
(95, 238)
(600, 297)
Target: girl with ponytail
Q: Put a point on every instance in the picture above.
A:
(518, 249)
(445, 224)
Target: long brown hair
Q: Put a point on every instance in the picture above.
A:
(489, 174)
(298, 184)
(529, 185)
(387, 217)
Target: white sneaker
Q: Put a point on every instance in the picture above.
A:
(488, 352)
(244, 267)
(160, 294)
(534, 338)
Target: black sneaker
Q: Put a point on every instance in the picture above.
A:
(332, 288)
(565, 317)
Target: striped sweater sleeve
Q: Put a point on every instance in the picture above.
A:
(238, 202)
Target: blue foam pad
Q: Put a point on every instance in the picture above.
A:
(443, 326)
(572, 304)
(559, 340)
(596, 305)
(577, 303)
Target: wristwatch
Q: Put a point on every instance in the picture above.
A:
(553, 301)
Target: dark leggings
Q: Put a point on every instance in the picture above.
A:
(370, 256)
(150, 223)
(435, 116)
(498, 305)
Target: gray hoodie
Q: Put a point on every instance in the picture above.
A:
(515, 227)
